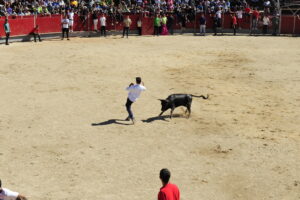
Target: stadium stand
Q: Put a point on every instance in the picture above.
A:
(117, 7)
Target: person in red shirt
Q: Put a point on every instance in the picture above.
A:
(255, 17)
(35, 33)
(247, 10)
(168, 191)
(234, 24)
(247, 13)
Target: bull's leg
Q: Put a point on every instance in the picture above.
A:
(161, 113)
(171, 113)
(189, 109)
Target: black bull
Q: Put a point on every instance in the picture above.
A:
(175, 100)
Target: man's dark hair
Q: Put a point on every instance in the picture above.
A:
(138, 80)
(165, 175)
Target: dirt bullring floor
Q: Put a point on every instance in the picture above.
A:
(60, 100)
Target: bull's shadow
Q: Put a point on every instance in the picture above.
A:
(112, 121)
(162, 118)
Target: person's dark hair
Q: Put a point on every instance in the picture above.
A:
(138, 80)
(165, 175)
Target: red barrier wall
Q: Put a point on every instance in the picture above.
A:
(52, 24)
(18, 25)
(287, 25)
(49, 24)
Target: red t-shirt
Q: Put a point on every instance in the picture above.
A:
(169, 192)
(36, 30)
(247, 10)
(255, 14)
(234, 20)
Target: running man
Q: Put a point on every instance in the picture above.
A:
(133, 94)
(6, 194)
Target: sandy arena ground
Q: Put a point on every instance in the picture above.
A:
(60, 137)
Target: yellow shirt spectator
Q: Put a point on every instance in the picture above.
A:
(74, 3)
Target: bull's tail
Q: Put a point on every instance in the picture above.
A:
(201, 96)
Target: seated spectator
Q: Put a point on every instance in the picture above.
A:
(267, 3)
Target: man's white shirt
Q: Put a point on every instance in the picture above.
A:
(102, 21)
(71, 16)
(7, 194)
(219, 14)
(65, 23)
(135, 91)
(266, 21)
(239, 14)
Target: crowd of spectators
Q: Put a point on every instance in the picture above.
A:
(118, 7)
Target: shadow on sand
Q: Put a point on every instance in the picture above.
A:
(162, 118)
(112, 121)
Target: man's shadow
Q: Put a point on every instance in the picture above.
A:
(162, 118)
(112, 121)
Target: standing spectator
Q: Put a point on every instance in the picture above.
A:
(164, 25)
(95, 20)
(254, 23)
(103, 24)
(202, 24)
(139, 26)
(239, 14)
(266, 23)
(170, 22)
(65, 27)
(219, 17)
(126, 24)
(183, 22)
(6, 30)
(234, 24)
(36, 33)
(71, 20)
(215, 23)
(168, 191)
(157, 24)
(275, 24)
(133, 94)
(6, 194)
(247, 13)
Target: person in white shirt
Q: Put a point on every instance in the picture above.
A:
(103, 25)
(71, 20)
(65, 27)
(219, 18)
(266, 22)
(139, 26)
(95, 19)
(6, 194)
(239, 14)
(219, 13)
(133, 94)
